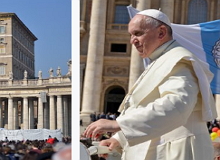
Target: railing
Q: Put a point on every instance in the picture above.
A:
(118, 26)
(35, 82)
(16, 82)
(3, 83)
(32, 82)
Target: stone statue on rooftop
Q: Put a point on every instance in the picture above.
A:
(25, 74)
(51, 72)
(10, 75)
(58, 72)
(69, 63)
(40, 74)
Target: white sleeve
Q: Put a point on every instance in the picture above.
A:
(119, 136)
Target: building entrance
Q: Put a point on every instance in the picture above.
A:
(113, 99)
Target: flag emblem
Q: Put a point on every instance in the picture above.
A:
(216, 53)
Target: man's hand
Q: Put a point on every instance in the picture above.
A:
(112, 143)
(101, 126)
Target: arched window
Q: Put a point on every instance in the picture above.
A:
(113, 98)
(197, 11)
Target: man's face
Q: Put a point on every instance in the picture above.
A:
(144, 37)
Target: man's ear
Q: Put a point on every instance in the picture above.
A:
(162, 31)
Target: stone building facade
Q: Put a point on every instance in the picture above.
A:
(16, 47)
(109, 65)
(27, 102)
(36, 104)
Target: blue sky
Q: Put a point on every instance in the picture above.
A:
(50, 22)
(56, 25)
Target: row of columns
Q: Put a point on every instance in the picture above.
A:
(94, 65)
(53, 115)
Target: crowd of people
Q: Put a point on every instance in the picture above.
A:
(96, 116)
(48, 149)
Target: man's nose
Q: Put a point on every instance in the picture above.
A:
(133, 39)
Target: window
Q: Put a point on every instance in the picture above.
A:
(2, 49)
(3, 22)
(118, 47)
(2, 29)
(2, 40)
(121, 14)
(197, 11)
(2, 69)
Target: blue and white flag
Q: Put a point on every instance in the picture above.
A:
(202, 39)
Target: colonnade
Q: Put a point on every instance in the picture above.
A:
(36, 113)
(94, 65)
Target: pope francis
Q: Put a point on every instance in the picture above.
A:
(164, 115)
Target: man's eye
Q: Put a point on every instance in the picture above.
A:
(138, 34)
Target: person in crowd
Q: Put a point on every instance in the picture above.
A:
(31, 155)
(113, 116)
(212, 124)
(66, 140)
(6, 139)
(9, 152)
(108, 116)
(35, 147)
(20, 150)
(93, 117)
(46, 152)
(50, 140)
(164, 114)
(215, 123)
(102, 116)
(47, 148)
(98, 116)
(2, 155)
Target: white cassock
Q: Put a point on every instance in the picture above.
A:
(168, 109)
